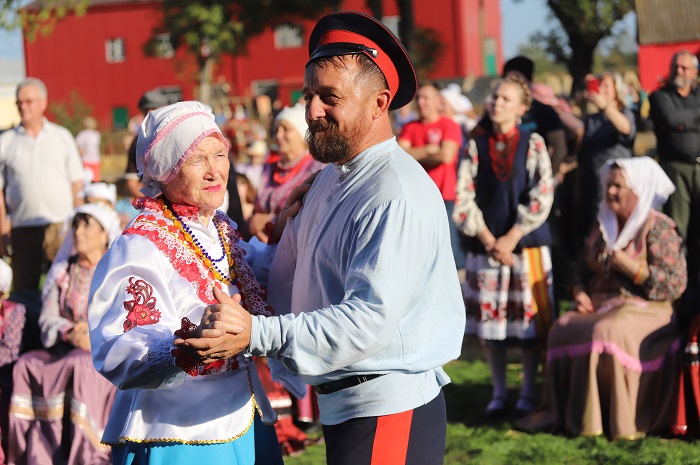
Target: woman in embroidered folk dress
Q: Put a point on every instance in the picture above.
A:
(176, 258)
(611, 361)
(60, 404)
(504, 194)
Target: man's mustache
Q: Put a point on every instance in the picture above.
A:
(319, 125)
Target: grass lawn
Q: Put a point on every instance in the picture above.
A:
(471, 439)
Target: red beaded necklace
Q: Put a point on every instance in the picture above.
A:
(281, 175)
(502, 152)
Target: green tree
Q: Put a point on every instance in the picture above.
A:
(38, 17)
(71, 114)
(584, 23)
(210, 28)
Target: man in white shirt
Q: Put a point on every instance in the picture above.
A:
(366, 268)
(40, 185)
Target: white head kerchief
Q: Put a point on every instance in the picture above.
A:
(652, 187)
(167, 137)
(5, 277)
(102, 190)
(296, 116)
(107, 217)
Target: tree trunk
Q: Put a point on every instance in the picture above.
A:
(580, 63)
(206, 68)
(376, 7)
(407, 28)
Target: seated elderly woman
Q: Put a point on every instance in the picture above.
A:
(60, 404)
(178, 257)
(609, 362)
(12, 319)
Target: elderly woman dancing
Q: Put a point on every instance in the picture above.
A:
(609, 362)
(176, 258)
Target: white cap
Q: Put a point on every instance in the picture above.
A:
(296, 116)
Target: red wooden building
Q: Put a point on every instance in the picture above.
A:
(100, 55)
(664, 28)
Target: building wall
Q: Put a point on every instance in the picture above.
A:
(73, 59)
(654, 62)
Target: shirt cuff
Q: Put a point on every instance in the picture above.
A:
(160, 361)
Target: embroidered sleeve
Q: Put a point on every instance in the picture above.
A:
(667, 266)
(466, 215)
(141, 309)
(534, 213)
(12, 335)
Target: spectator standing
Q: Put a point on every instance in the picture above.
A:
(434, 141)
(88, 141)
(675, 112)
(610, 132)
(504, 195)
(41, 184)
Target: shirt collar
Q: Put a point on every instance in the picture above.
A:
(346, 170)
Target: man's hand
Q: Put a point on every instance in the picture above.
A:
(224, 330)
(291, 207)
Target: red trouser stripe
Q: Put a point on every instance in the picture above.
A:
(391, 439)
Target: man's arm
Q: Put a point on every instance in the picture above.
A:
(77, 188)
(668, 117)
(433, 155)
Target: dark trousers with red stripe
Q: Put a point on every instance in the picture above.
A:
(414, 437)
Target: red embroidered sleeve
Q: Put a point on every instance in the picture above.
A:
(142, 308)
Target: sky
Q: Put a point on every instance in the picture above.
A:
(520, 20)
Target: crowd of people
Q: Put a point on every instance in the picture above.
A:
(316, 271)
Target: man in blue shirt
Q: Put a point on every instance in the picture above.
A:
(365, 269)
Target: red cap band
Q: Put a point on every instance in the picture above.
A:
(382, 60)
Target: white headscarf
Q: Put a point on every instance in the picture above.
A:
(168, 136)
(652, 187)
(107, 217)
(102, 190)
(296, 116)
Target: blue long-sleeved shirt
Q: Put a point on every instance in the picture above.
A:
(367, 272)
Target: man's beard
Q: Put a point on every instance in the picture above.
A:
(326, 143)
(680, 82)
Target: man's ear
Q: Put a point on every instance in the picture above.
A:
(381, 103)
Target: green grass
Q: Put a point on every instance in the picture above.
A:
(473, 440)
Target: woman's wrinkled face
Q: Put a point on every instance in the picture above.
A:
(201, 181)
(618, 195)
(291, 145)
(88, 235)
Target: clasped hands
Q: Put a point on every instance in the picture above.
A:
(501, 249)
(224, 330)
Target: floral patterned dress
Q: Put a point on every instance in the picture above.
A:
(610, 371)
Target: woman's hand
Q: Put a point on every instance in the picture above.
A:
(599, 100)
(79, 336)
(582, 301)
(224, 330)
(502, 249)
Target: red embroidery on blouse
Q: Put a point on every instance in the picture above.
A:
(142, 309)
